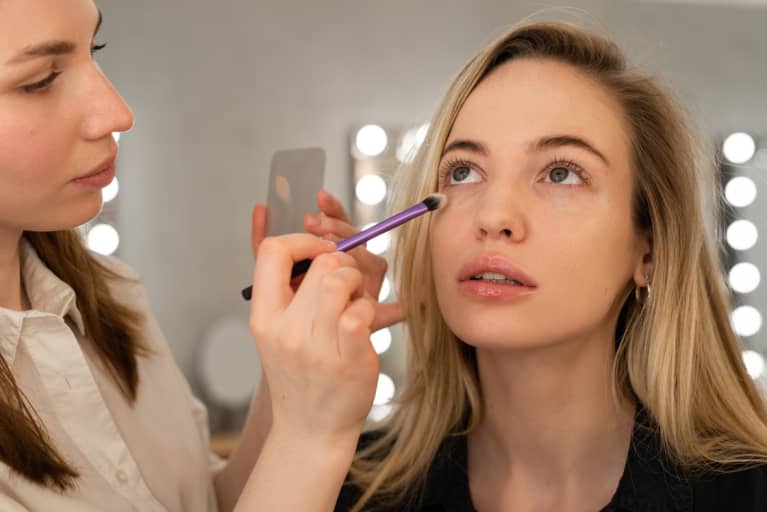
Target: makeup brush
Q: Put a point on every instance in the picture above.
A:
(431, 203)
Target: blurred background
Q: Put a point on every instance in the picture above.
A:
(218, 87)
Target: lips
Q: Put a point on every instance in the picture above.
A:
(497, 266)
(105, 164)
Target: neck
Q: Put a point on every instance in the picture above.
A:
(12, 295)
(551, 417)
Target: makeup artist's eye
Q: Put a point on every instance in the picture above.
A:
(41, 86)
(565, 173)
(97, 47)
(459, 172)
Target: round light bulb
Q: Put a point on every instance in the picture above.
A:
(754, 363)
(740, 191)
(739, 148)
(383, 294)
(371, 189)
(371, 140)
(744, 277)
(742, 235)
(109, 192)
(746, 321)
(381, 340)
(384, 390)
(103, 239)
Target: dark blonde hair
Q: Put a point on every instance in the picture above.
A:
(677, 353)
(113, 327)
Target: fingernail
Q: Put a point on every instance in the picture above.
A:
(312, 220)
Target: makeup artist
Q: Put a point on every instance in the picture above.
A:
(94, 413)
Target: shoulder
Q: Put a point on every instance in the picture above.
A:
(736, 489)
(124, 283)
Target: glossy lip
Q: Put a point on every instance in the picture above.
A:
(105, 165)
(497, 264)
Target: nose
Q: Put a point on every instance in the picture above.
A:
(499, 215)
(106, 110)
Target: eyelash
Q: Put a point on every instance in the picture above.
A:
(44, 84)
(450, 165)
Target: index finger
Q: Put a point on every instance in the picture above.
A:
(274, 262)
(331, 206)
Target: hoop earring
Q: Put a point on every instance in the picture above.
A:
(638, 291)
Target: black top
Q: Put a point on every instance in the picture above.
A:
(651, 482)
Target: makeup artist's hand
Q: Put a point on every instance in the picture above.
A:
(314, 342)
(334, 224)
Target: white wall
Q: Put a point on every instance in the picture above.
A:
(218, 86)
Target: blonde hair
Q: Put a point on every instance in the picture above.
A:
(677, 353)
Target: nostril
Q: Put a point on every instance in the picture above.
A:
(506, 232)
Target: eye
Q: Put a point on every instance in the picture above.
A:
(41, 86)
(562, 174)
(460, 172)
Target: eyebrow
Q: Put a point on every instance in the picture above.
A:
(50, 48)
(569, 140)
(555, 141)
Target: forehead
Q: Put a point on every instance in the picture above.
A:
(27, 22)
(525, 99)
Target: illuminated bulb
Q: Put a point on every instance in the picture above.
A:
(742, 235)
(381, 340)
(744, 277)
(740, 191)
(103, 239)
(384, 390)
(109, 192)
(739, 147)
(410, 143)
(371, 189)
(754, 363)
(383, 295)
(371, 140)
(380, 412)
(746, 321)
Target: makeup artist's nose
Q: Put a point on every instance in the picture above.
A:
(107, 111)
(498, 216)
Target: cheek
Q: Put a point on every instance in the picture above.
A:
(34, 171)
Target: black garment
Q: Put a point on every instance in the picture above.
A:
(651, 482)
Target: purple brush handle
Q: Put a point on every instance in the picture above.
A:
(382, 227)
(360, 238)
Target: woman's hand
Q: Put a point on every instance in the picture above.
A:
(334, 224)
(314, 342)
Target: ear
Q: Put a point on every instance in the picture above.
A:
(643, 271)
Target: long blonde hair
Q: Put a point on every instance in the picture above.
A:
(677, 353)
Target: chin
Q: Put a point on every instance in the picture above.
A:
(71, 217)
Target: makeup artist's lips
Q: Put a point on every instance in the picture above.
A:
(490, 290)
(101, 176)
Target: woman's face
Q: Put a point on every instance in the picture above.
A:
(537, 244)
(57, 115)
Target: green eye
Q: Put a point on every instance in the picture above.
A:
(559, 174)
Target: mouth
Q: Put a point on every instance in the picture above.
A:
(495, 278)
(105, 165)
(496, 270)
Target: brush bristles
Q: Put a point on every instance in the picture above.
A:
(435, 201)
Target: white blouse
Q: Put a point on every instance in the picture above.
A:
(150, 456)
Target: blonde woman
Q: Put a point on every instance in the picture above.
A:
(570, 348)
